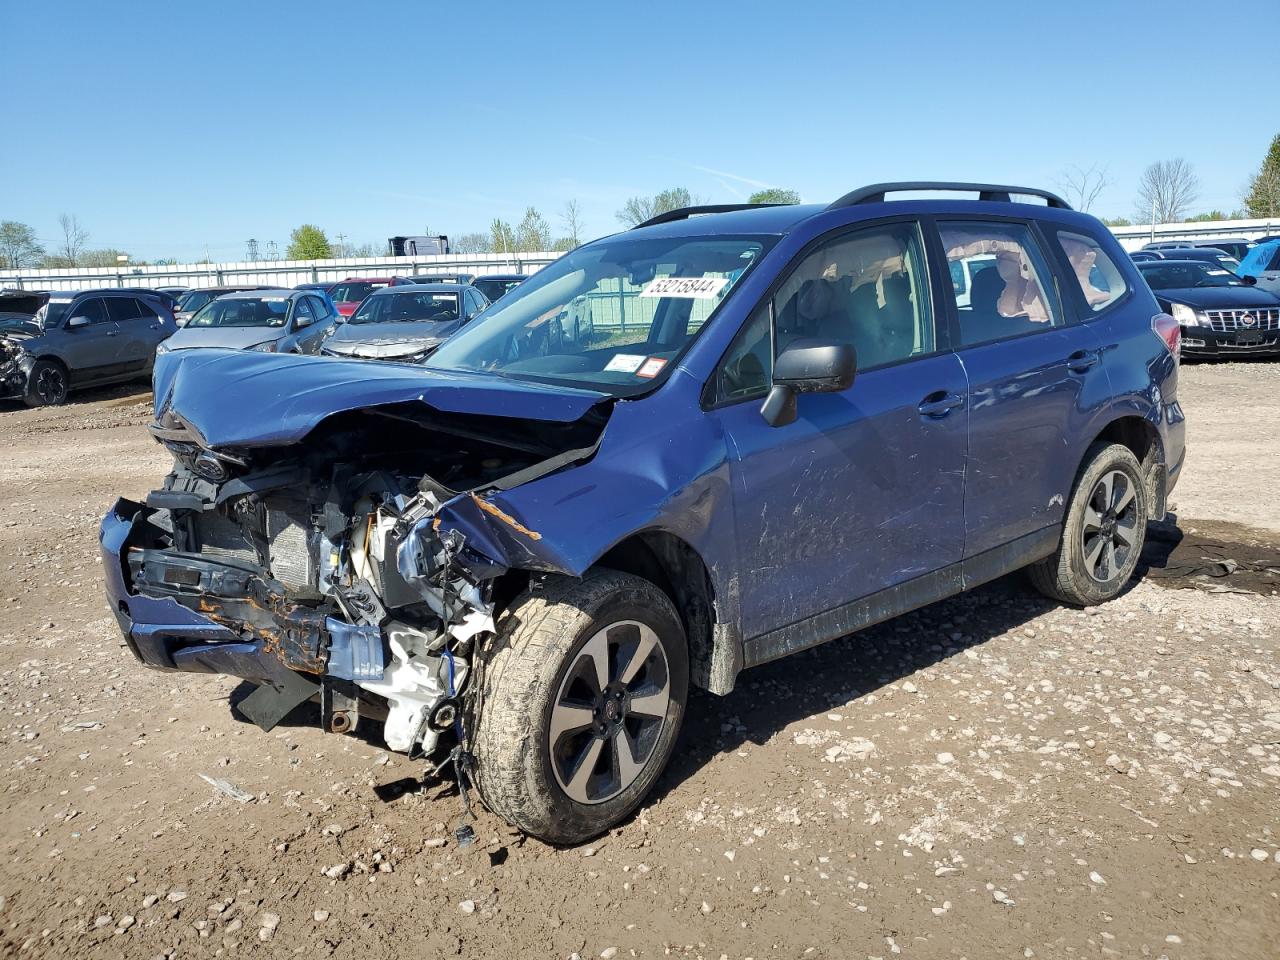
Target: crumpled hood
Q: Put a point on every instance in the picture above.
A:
(1219, 298)
(234, 338)
(389, 339)
(246, 399)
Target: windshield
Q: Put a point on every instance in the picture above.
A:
(408, 308)
(608, 316)
(242, 312)
(1181, 276)
(193, 301)
(493, 289)
(354, 292)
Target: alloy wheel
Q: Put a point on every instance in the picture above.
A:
(1110, 527)
(609, 712)
(50, 385)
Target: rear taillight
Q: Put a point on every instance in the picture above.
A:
(1167, 329)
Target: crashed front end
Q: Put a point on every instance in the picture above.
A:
(356, 566)
(15, 364)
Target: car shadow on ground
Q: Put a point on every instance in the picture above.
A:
(121, 392)
(769, 698)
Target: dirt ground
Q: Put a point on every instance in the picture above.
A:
(993, 776)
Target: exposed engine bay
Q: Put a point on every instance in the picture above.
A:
(329, 559)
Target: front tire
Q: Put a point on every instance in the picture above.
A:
(583, 696)
(1103, 532)
(47, 384)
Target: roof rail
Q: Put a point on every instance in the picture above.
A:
(985, 191)
(684, 213)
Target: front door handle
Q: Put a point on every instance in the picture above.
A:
(939, 403)
(111, 333)
(1082, 360)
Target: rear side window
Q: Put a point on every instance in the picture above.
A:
(1101, 283)
(1009, 290)
(123, 308)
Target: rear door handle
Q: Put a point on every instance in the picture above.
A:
(1082, 360)
(940, 403)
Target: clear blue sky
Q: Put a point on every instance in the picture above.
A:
(166, 126)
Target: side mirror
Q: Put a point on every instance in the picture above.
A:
(807, 366)
(76, 322)
(1249, 280)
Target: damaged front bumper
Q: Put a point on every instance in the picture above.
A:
(196, 613)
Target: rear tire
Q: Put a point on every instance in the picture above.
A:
(47, 384)
(558, 753)
(1102, 533)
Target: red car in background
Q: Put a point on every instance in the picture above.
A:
(347, 294)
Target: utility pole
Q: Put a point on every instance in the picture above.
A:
(342, 244)
(272, 254)
(251, 250)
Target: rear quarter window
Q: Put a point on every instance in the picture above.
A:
(1098, 278)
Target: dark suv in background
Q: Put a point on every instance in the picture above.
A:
(727, 435)
(78, 339)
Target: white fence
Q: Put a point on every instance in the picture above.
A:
(1200, 231)
(284, 273)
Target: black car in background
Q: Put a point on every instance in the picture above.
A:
(1220, 314)
(496, 285)
(1204, 254)
(405, 323)
(53, 343)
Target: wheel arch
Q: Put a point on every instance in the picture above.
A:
(1143, 440)
(678, 570)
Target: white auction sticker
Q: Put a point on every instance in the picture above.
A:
(624, 363)
(690, 288)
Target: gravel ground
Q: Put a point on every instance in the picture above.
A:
(993, 776)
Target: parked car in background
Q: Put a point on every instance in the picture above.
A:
(266, 320)
(169, 301)
(443, 278)
(497, 285)
(174, 292)
(1220, 314)
(405, 323)
(53, 343)
(1262, 263)
(1235, 247)
(348, 293)
(325, 286)
(719, 438)
(418, 246)
(1204, 254)
(193, 300)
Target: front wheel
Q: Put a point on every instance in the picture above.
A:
(1103, 532)
(581, 704)
(47, 384)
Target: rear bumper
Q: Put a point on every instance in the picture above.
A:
(161, 632)
(1204, 343)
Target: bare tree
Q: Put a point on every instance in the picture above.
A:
(1167, 189)
(572, 218)
(1083, 184)
(74, 237)
(639, 209)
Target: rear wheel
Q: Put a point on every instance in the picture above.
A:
(1103, 532)
(582, 702)
(47, 384)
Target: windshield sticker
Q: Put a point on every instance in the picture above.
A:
(1218, 273)
(650, 368)
(688, 288)
(624, 363)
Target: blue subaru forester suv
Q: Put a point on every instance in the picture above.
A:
(724, 436)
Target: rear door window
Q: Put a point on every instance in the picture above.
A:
(1010, 287)
(123, 308)
(303, 314)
